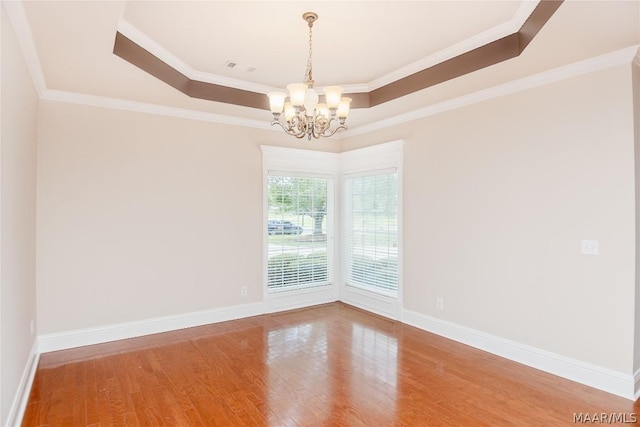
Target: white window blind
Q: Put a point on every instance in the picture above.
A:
(299, 232)
(371, 231)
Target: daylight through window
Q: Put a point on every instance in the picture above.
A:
(371, 231)
(299, 249)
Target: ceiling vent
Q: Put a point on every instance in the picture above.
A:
(239, 67)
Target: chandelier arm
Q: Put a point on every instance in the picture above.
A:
(308, 131)
(289, 130)
(341, 127)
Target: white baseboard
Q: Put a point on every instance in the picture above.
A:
(369, 301)
(603, 379)
(120, 331)
(626, 386)
(19, 405)
(307, 297)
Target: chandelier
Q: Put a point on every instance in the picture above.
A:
(303, 114)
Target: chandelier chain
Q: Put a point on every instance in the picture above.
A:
(308, 78)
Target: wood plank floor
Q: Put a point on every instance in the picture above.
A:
(330, 365)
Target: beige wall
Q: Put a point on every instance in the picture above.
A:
(17, 213)
(142, 216)
(497, 197)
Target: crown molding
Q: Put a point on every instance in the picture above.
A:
(141, 39)
(509, 27)
(131, 32)
(17, 16)
(496, 33)
(176, 74)
(142, 107)
(602, 62)
(608, 60)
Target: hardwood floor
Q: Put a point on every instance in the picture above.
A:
(330, 365)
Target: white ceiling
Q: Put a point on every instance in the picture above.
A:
(357, 44)
(350, 38)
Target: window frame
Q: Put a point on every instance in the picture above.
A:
(347, 222)
(300, 163)
(330, 230)
(368, 161)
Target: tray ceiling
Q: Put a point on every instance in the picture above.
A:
(361, 45)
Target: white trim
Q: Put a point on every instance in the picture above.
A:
(598, 63)
(21, 398)
(277, 172)
(511, 26)
(302, 163)
(120, 331)
(602, 62)
(604, 379)
(134, 34)
(18, 18)
(379, 156)
(21, 26)
(600, 378)
(300, 298)
(496, 33)
(371, 161)
(283, 159)
(161, 110)
(389, 307)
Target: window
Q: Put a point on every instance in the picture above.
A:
(299, 249)
(371, 231)
(299, 223)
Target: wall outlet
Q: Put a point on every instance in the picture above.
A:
(440, 303)
(590, 247)
(32, 326)
(243, 290)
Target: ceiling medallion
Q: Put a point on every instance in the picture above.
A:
(303, 115)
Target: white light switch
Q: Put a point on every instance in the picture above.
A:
(590, 247)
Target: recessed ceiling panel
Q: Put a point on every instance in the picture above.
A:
(353, 41)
